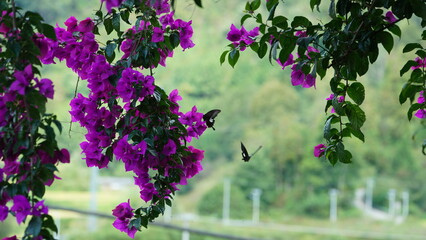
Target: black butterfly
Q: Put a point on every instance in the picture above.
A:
(245, 154)
(210, 116)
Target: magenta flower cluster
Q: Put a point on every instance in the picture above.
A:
(123, 213)
(13, 104)
(120, 114)
(319, 150)
(241, 38)
(21, 208)
(340, 99)
(298, 77)
(421, 113)
(168, 26)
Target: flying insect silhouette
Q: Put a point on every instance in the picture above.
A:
(210, 116)
(245, 154)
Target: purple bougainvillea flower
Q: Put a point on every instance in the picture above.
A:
(421, 63)
(174, 96)
(147, 192)
(123, 210)
(309, 81)
(319, 150)
(4, 211)
(63, 155)
(71, 24)
(158, 35)
(297, 76)
(10, 238)
(19, 84)
(46, 88)
(169, 148)
(300, 34)
(234, 34)
(390, 18)
(21, 207)
(39, 209)
(123, 226)
(421, 98)
(86, 25)
(421, 113)
(339, 99)
(186, 43)
(112, 3)
(140, 148)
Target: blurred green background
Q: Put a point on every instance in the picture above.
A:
(259, 107)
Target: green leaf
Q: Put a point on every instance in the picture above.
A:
(34, 226)
(421, 53)
(263, 49)
(58, 125)
(233, 57)
(49, 223)
(340, 150)
(346, 157)
(259, 20)
(356, 132)
(411, 46)
(244, 18)
(38, 188)
(116, 22)
(338, 107)
(300, 21)
(286, 49)
(327, 126)
(314, 3)
(137, 223)
(343, 7)
(334, 84)
(255, 5)
(108, 25)
(373, 54)
(331, 156)
(280, 22)
(125, 16)
(273, 52)
(223, 57)
(407, 67)
(357, 92)
(386, 39)
(414, 107)
(49, 31)
(362, 65)
(355, 115)
(174, 39)
(395, 30)
(144, 221)
(332, 9)
(272, 12)
(110, 51)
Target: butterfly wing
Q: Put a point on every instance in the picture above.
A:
(210, 116)
(244, 153)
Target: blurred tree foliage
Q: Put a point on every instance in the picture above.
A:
(260, 107)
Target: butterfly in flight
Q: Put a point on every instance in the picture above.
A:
(245, 154)
(210, 116)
